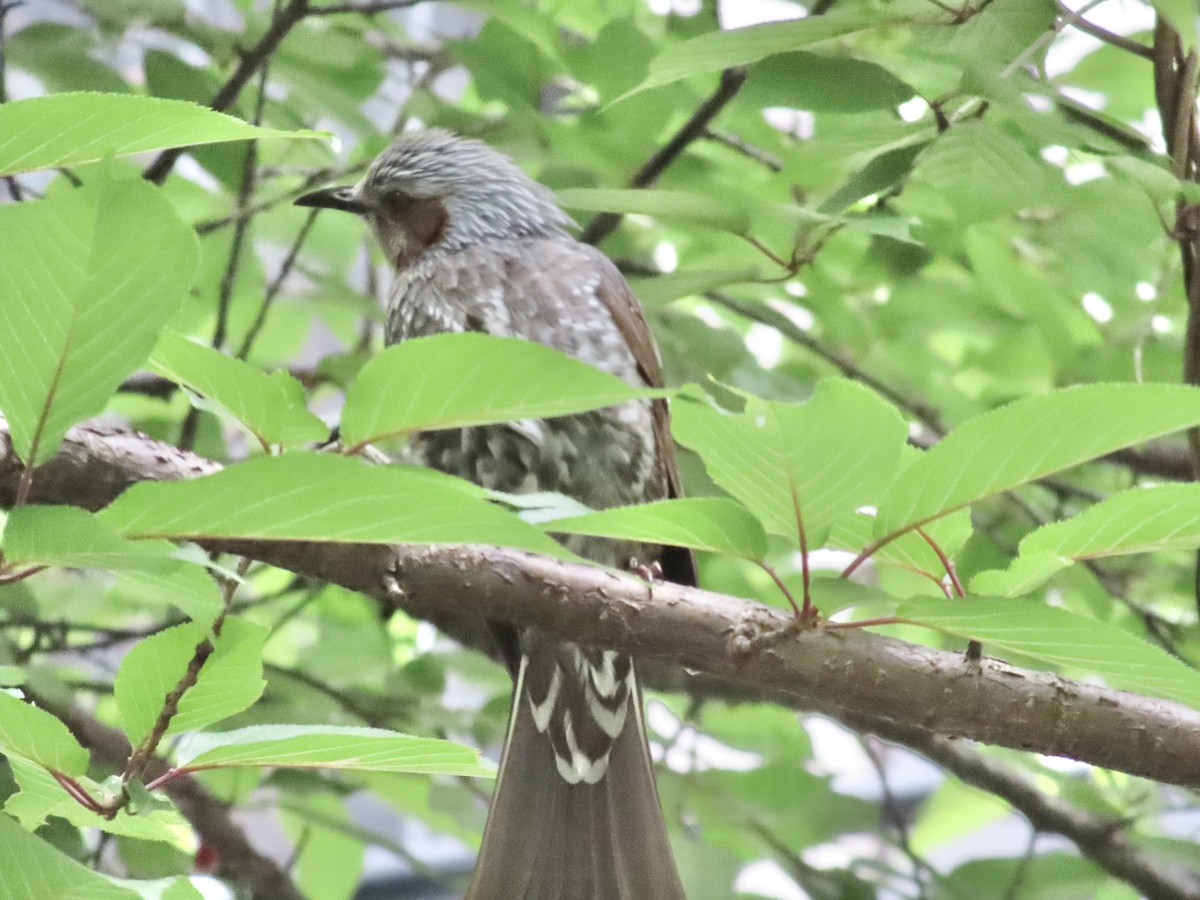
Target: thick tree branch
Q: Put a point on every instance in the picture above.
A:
(742, 643)
(1101, 838)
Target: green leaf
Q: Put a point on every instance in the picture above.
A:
(1030, 439)
(661, 289)
(74, 331)
(322, 497)
(724, 213)
(458, 380)
(330, 747)
(41, 797)
(717, 50)
(981, 172)
(67, 129)
(909, 551)
(1025, 574)
(270, 406)
(817, 82)
(34, 734)
(229, 681)
(30, 867)
(1140, 520)
(713, 524)
(69, 536)
(814, 462)
(1061, 638)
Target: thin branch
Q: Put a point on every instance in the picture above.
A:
(249, 63)
(138, 760)
(731, 82)
(1175, 86)
(1100, 838)
(755, 312)
(1076, 20)
(893, 814)
(187, 432)
(366, 9)
(744, 147)
(260, 318)
(341, 698)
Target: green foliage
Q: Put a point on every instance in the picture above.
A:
(229, 682)
(902, 231)
(86, 127)
(34, 868)
(329, 747)
(35, 734)
(329, 498)
(799, 468)
(78, 329)
(270, 406)
(454, 380)
(1057, 431)
(703, 523)
(1075, 643)
(68, 536)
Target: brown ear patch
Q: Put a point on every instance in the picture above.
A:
(423, 219)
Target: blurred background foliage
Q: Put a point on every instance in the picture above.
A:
(956, 205)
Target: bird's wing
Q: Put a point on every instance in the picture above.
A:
(679, 565)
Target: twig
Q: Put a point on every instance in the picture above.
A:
(187, 431)
(1119, 41)
(145, 751)
(366, 9)
(731, 82)
(744, 147)
(893, 814)
(1100, 838)
(1175, 85)
(260, 318)
(341, 698)
(248, 64)
(14, 577)
(781, 323)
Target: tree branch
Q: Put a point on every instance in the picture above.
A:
(1100, 838)
(1076, 20)
(248, 64)
(695, 127)
(845, 673)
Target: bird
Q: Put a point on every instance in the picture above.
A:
(478, 245)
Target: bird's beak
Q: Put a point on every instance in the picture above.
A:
(343, 198)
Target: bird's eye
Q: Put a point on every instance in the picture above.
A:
(395, 200)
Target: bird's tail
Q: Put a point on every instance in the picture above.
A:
(583, 832)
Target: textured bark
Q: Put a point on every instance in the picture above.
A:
(735, 646)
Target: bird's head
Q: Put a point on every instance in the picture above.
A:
(434, 189)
